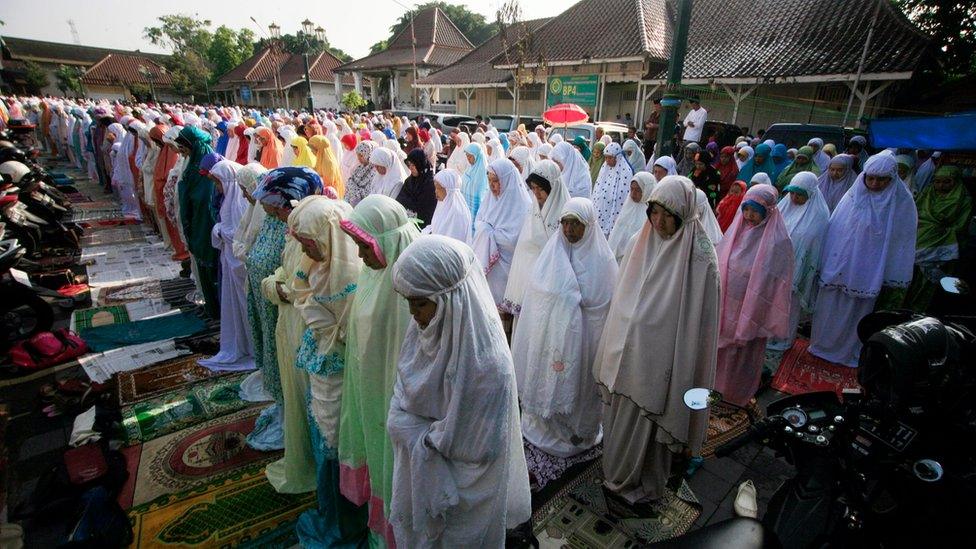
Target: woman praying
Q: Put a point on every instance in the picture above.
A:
(451, 216)
(633, 215)
(612, 187)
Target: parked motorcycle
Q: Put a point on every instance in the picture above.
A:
(890, 466)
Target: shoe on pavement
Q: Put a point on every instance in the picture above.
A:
(745, 501)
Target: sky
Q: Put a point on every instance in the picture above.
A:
(352, 25)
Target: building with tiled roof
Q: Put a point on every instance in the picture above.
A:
(117, 74)
(50, 55)
(752, 62)
(431, 42)
(275, 78)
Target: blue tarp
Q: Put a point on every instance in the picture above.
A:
(956, 132)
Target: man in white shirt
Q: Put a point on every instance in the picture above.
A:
(694, 122)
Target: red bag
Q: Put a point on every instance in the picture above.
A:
(47, 349)
(85, 464)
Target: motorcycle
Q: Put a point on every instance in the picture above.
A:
(890, 466)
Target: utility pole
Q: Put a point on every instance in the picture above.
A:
(672, 90)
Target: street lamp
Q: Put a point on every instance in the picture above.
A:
(150, 76)
(310, 37)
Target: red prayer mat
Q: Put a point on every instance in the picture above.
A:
(800, 372)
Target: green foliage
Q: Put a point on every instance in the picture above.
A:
(69, 79)
(35, 76)
(471, 24)
(353, 101)
(139, 90)
(228, 49)
(951, 26)
(379, 46)
(295, 43)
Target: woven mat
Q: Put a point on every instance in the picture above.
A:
(725, 422)
(580, 516)
(800, 372)
(192, 457)
(100, 316)
(182, 408)
(242, 510)
(160, 378)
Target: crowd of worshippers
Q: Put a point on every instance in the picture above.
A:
(418, 304)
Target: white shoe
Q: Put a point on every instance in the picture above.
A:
(745, 501)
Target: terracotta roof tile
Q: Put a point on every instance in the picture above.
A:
(116, 69)
(25, 48)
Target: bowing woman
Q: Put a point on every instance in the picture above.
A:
(755, 259)
(460, 477)
(670, 307)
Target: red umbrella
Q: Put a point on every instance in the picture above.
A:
(564, 114)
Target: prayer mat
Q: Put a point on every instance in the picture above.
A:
(113, 336)
(77, 197)
(92, 215)
(725, 422)
(545, 468)
(192, 457)
(132, 291)
(800, 372)
(182, 408)
(115, 235)
(160, 378)
(100, 316)
(581, 516)
(242, 510)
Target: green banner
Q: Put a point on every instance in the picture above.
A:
(579, 89)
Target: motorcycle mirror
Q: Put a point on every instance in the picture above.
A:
(954, 285)
(700, 398)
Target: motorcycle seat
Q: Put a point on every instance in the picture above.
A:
(735, 533)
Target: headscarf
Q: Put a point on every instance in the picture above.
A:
(567, 279)
(417, 193)
(305, 157)
(282, 187)
(635, 156)
(544, 151)
(707, 217)
(909, 162)
(687, 163)
(271, 151)
(807, 225)
(582, 146)
(870, 239)
(820, 158)
(794, 168)
(388, 183)
(451, 216)
(455, 379)
(833, 190)
(596, 159)
(195, 188)
(942, 218)
(243, 144)
(780, 160)
(326, 165)
(233, 205)
(668, 164)
(660, 335)
(575, 172)
(612, 186)
(474, 184)
(250, 225)
(756, 266)
(498, 224)
(729, 172)
(729, 205)
(497, 152)
(749, 154)
(525, 159)
(924, 172)
(632, 216)
(223, 140)
(360, 181)
(325, 294)
(538, 226)
(751, 167)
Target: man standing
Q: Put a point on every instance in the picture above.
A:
(694, 122)
(651, 127)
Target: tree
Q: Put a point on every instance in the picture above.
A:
(69, 79)
(229, 49)
(353, 101)
(295, 43)
(471, 24)
(951, 25)
(190, 38)
(35, 76)
(379, 46)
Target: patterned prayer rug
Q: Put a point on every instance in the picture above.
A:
(580, 516)
(100, 316)
(241, 510)
(159, 378)
(725, 422)
(800, 372)
(545, 468)
(184, 407)
(191, 457)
